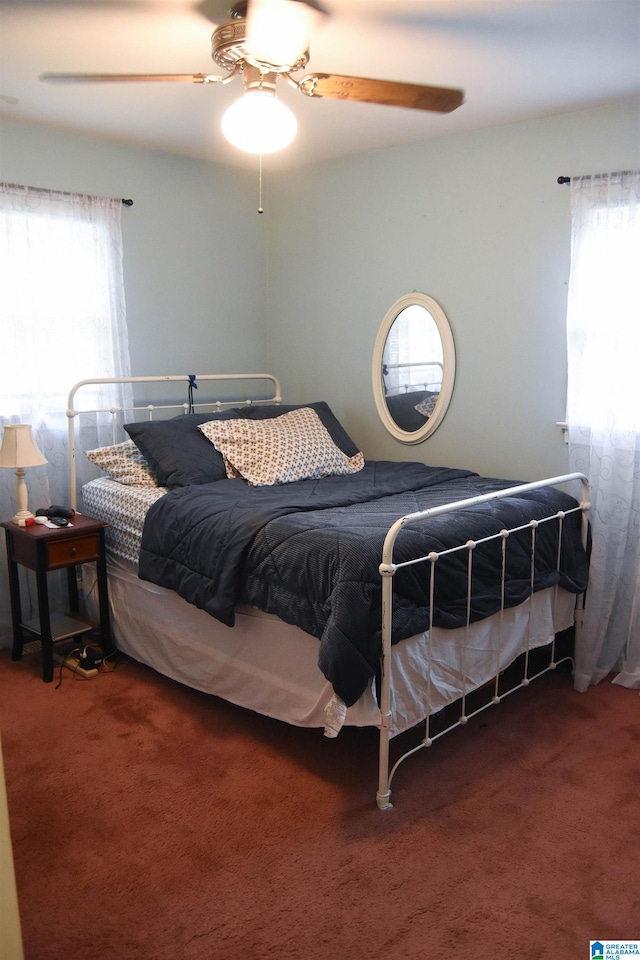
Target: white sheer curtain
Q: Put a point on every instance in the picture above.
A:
(603, 413)
(62, 315)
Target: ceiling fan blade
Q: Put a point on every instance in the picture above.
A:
(131, 77)
(390, 93)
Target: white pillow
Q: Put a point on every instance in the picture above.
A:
(123, 462)
(294, 446)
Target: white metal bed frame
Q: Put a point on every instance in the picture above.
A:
(426, 384)
(387, 567)
(387, 571)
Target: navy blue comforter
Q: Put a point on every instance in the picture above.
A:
(310, 551)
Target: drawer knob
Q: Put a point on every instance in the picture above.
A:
(73, 551)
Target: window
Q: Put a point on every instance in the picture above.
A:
(604, 302)
(61, 297)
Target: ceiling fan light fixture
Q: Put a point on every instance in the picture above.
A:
(278, 31)
(259, 123)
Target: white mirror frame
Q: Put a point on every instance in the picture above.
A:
(448, 374)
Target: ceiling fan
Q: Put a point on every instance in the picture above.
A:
(264, 40)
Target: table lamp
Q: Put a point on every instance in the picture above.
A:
(19, 450)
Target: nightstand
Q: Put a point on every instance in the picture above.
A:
(42, 549)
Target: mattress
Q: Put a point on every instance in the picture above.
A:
(269, 666)
(123, 507)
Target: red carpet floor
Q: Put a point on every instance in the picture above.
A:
(151, 822)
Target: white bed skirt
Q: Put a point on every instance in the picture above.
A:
(269, 666)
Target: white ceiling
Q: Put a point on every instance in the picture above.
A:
(515, 60)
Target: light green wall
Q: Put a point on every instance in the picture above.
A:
(479, 222)
(476, 220)
(194, 246)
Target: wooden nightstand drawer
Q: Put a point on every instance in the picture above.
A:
(61, 553)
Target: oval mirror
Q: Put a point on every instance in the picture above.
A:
(414, 367)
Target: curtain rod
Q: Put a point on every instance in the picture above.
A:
(595, 176)
(21, 186)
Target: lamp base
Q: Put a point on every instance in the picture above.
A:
(22, 515)
(23, 497)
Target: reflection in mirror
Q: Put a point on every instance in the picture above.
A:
(413, 367)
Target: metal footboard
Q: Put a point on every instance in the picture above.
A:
(387, 571)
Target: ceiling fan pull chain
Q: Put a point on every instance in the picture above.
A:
(260, 210)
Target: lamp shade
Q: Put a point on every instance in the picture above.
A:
(259, 123)
(19, 449)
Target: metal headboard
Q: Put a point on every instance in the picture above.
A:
(75, 410)
(425, 384)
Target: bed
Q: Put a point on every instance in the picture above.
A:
(254, 554)
(412, 408)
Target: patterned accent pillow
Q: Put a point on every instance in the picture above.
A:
(124, 463)
(426, 407)
(294, 446)
(179, 455)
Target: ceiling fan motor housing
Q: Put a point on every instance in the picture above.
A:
(229, 51)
